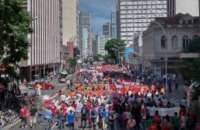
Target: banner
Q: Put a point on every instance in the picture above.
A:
(163, 111)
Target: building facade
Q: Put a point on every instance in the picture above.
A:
(45, 40)
(136, 15)
(70, 21)
(170, 42)
(84, 34)
(191, 7)
(114, 24)
(107, 30)
(101, 41)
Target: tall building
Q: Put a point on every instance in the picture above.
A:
(114, 24)
(70, 21)
(136, 15)
(45, 40)
(84, 34)
(101, 41)
(107, 29)
(191, 7)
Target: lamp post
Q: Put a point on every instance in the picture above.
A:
(166, 57)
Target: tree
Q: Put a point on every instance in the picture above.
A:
(115, 48)
(194, 46)
(14, 26)
(190, 68)
(72, 64)
(97, 57)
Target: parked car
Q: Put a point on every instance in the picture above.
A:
(44, 85)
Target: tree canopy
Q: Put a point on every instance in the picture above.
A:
(115, 48)
(14, 26)
(190, 68)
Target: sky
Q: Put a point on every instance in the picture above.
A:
(99, 10)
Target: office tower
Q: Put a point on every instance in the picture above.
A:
(191, 7)
(70, 21)
(101, 41)
(84, 36)
(135, 16)
(114, 24)
(106, 29)
(45, 40)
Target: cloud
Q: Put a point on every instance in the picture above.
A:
(100, 11)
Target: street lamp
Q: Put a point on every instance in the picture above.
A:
(166, 57)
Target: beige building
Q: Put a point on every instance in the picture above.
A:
(70, 20)
(45, 40)
(169, 39)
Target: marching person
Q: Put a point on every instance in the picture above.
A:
(71, 120)
(24, 115)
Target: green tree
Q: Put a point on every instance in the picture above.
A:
(115, 48)
(14, 26)
(194, 46)
(72, 64)
(97, 57)
(190, 68)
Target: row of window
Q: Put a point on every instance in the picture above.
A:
(143, 6)
(174, 42)
(142, 2)
(142, 20)
(134, 25)
(143, 16)
(143, 11)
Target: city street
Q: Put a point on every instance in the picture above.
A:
(100, 64)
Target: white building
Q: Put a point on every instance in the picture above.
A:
(101, 41)
(45, 40)
(85, 35)
(136, 15)
(170, 42)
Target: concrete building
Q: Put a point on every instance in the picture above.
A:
(101, 41)
(114, 24)
(84, 34)
(70, 21)
(191, 7)
(136, 15)
(45, 40)
(171, 41)
(106, 29)
(94, 44)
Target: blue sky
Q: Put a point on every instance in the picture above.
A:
(100, 11)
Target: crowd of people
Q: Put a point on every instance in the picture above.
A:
(109, 101)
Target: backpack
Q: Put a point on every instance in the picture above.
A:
(33, 111)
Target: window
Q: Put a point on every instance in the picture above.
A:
(186, 41)
(174, 42)
(163, 42)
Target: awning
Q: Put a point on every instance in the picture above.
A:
(64, 72)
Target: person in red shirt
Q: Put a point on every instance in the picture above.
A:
(64, 108)
(153, 126)
(24, 116)
(156, 118)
